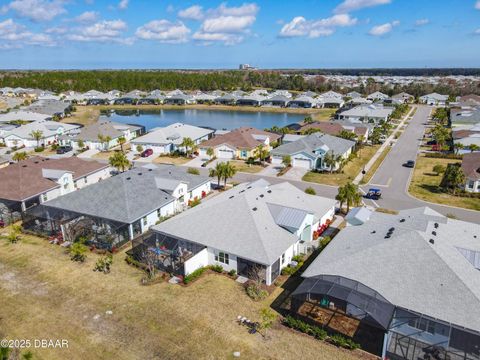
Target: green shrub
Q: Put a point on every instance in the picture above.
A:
(298, 258)
(217, 268)
(193, 171)
(310, 191)
(104, 264)
(290, 270)
(325, 241)
(194, 275)
(194, 202)
(232, 272)
(255, 292)
(78, 252)
(39, 149)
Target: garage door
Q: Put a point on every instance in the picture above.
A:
(225, 154)
(302, 163)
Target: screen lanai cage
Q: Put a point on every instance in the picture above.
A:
(164, 252)
(65, 225)
(355, 310)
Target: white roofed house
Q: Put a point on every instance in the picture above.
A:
(402, 98)
(254, 99)
(180, 99)
(410, 281)
(276, 101)
(309, 152)
(331, 99)
(366, 114)
(303, 101)
(50, 132)
(203, 98)
(434, 99)
(377, 96)
(255, 229)
(167, 139)
(91, 135)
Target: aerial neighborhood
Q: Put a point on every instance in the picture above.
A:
(367, 203)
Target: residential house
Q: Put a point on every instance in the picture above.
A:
(22, 115)
(469, 100)
(181, 99)
(4, 162)
(377, 96)
(50, 132)
(254, 229)
(374, 114)
(276, 101)
(227, 99)
(33, 181)
(239, 143)
(354, 95)
(466, 138)
(434, 99)
(471, 169)
(334, 128)
(203, 98)
(392, 275)
(90, 135)
(167, 139)
(464, 118)
(251, 100)
(309, 152)
(302, 101)
(126, 205)
(51, 108)
(402, 98)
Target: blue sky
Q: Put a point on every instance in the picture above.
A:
(49, 34)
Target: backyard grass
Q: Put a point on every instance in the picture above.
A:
(242, 166)
(425, 182)
(84, 115)
(368, 176)
(171, 160)
(45, 295)
(350, 170)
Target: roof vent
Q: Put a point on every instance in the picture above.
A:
(129, 178)
(434, 233)
(249, 187)
(231, 197)
(261, 195)
(436, 225)
(373, 232)
(269, 191)
(387, 236)
(149, 169)
(402, 220)
(36, 162)
(24, 165)
(139, 173)
(431, 241)
(254, 209)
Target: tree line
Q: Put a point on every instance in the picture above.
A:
(228, 80)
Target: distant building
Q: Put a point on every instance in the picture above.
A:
(246, 67)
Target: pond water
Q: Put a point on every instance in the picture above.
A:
(207, 118)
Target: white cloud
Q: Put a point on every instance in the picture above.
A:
(123, 4)
(103, 31)
(477, 32)
(163, 31)
(351, 5)
(57, 30)
(36, 10)
(87, 17)
(194, 12)
(226, 24)
(16, 35)
(383, 29)
(421, 22)
(299, 26)
(170, 8)
(477, 5)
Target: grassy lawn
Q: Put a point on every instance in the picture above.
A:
(242, 166)
(368, 176)
(84, 115)
(171, 160)
(103, 155)
(350, 170)
(425, 182)
(44, 295)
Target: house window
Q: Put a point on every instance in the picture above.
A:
(44, 197)
(283, 258)
(85, 180)
(144, 221)
(159, 213)
(243, 153)
(222, 257)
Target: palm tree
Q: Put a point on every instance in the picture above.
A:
(104, 140)
(217, 172)
(261, 153)
(19, 156)
(210, 152)
(330, 159)
(287, 160)
(341, 196)
(229, 171)
(352, 195)
(347, 135)
(188, 144)
(473, 147)
(457, 147)
(119, 161)
(454, 176)
(121, 141)
(37, 135)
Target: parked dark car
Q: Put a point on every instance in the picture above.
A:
(409, 164)
(146, 153)
(64, 149)
(373, 194)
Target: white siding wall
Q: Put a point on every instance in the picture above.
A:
(152, 218)
(92, 178)
(232, 260)
(198, 192)
(197, 261)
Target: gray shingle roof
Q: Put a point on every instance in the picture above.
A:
(310, 143)
(432, 279)
(241, 221)
(126, 197)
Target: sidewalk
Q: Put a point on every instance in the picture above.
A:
(379, 152)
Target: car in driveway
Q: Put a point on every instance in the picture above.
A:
(409, 164)
(64, 149)
(147, 153)
(373, 194)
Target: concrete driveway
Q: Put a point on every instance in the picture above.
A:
(295, 174)
(196, 162)
(270, 170)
